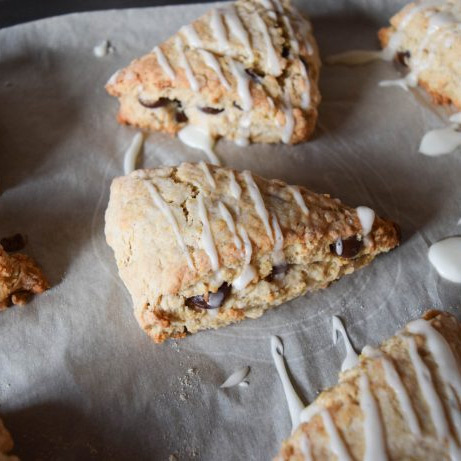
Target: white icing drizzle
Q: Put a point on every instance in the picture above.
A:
(299, 199)
(236, 28)
(191, 36)
(258, 201)
(445, 256)
(305, 447)
(278, 257)
(289, 119)
(243, 84)
(293, 40)
(164, 64)
(248, 272)
(336, 443)
(218, 30)
(351, 359)
(243, 132)
(132, 153)
(272, 61)
(394, 381)
(366, 217)
(166, 211)
(441, 141)
(446, 364)
(234, 187)
(113, 78)
(185, 65)
(207, 237)
(306, 95)
(295, 405)
(225, 213)
(208, 175)
(236, 378)
(428, 390)
(199, 138)
(213, 63)
(375, 446)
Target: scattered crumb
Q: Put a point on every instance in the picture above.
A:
(103, 49)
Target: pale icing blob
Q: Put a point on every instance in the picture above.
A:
(236, 378)
(367, 218)
(440, 141)
(445, 256)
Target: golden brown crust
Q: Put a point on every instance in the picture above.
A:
(156, 271)
(342, 402)
(20, 277)
(441, 75)
(145, 80)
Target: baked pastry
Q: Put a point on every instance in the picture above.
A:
(20, 277)
(6, 444)
(247, 71)
(402, 402)
(201, 247)
(425, 36)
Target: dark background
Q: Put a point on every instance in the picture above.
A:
(18, 11)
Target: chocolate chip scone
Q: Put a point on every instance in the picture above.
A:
(202, 247)
(20, 277)
(426, 37)
(402, 402)
(247, 72)
(6, 444)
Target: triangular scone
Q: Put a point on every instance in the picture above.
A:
(201, 247)
(247, 72)
(424, 36)
(402, 402)
(6, 444)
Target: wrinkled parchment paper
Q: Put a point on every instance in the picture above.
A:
(78, 378)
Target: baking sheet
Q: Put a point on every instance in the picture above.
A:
(78, 378)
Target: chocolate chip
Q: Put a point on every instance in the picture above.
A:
(348, 248)
(211, 110)
(403, 57)
(181, 117)
(255, 75)
(285, 52)
(161, 102)
(215, 300)
(278, 272)
(237, 106)
(14, 243)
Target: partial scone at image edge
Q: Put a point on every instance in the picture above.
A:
(243, 72)
(200, 246)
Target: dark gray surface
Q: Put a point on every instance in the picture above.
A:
(19, 11)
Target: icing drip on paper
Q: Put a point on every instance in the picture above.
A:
(218, 30)
(295, 405)
(367, 218)
(272, 61)
(199, 138)
(351, 359)
(208, 175)
(207, 237)
(213, 63)
(375, 446)
(248, 272)
(299, 199)
(243, 84)
(441, 141)
(132, 153)
(258, 201)
(237, 29)
(166, 211)
(186, 66)
(236, 378)
(164, 64)
(225, 213)
(234, 187)
(445, 256)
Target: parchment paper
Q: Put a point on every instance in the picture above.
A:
(78, 378)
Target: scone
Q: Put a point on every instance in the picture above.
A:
(201, 247)
(247, 72)
(6, 444)
(20, 277)
(402, 402)
(425, 36)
